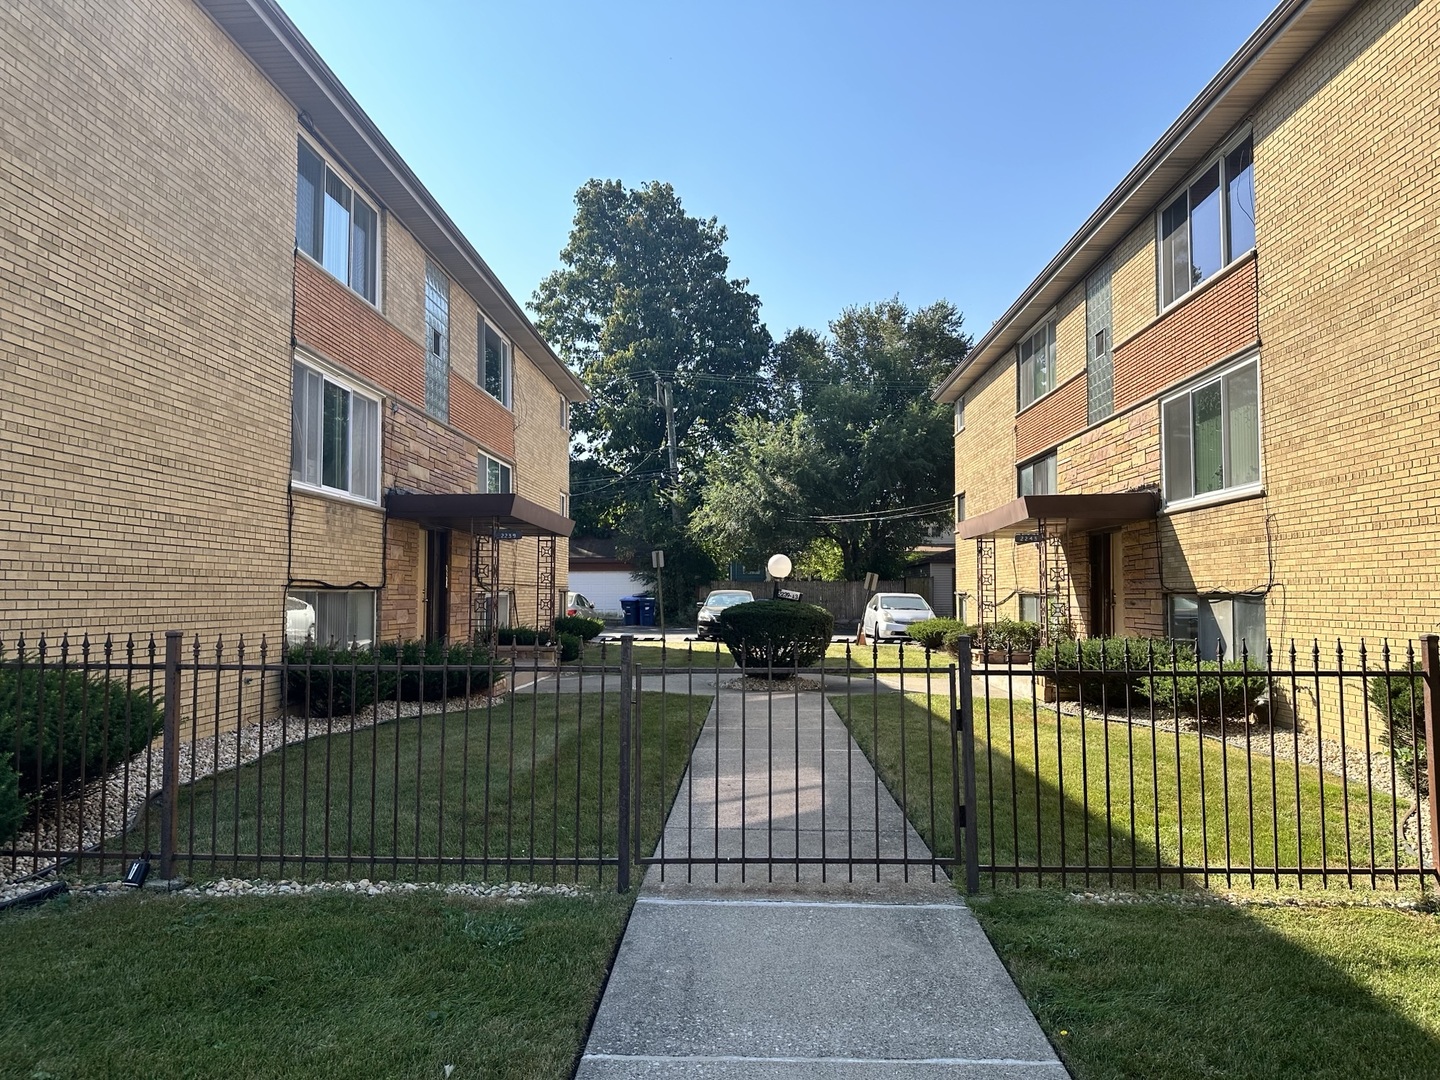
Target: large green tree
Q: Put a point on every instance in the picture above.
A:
(644, 298)
(864, 457)
(644, 294)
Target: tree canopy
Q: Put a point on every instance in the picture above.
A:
(863, 458)
(643, 292)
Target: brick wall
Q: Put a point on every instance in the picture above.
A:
(1133, 289)
(338, 324)
(1215, 321)
(334, 542)
(146, 238)
(1057, 415)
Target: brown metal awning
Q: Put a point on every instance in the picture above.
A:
(508, 512)
(1073, 513)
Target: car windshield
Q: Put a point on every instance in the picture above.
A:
(905, 603)
(727, 599)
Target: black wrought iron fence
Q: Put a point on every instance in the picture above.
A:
(1099, 763)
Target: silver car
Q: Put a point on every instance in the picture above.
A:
(707, 626)
(889, 615)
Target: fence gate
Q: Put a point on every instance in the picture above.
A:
(845, 772)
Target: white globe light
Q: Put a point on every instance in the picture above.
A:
(779, 566)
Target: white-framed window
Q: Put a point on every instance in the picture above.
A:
(1210, 223)
(1210, 435)
(1219, 622)
(564, 505)
(495, 476)
(1035, 362)
(959, 414)
(495, 366)
(334, 225)
(1029, 607)
(959, 508)
(1037, 476)
(437, 342)
(564, 413)
(334, 435)
(961, 601)
(330, 616)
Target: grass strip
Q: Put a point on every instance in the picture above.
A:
(1149, 989)
(315, 986)
(1111, 801)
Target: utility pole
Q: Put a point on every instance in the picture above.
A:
(664, 394)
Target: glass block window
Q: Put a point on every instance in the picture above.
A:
(1099, 360)
(437, 343)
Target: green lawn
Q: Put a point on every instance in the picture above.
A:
(502, 788)
(1159, 989)
(313, 986)
(883, 657)
(675, 655)
(1098, 812)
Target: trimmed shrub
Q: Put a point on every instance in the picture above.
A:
(13, 805)
(1011, 636)
(776, 633)
(570, 647)
(1401, 704)
(1097, 666)
(578, 625)
(523, 635)
(930, 633)
(89, 723)
(338, 681)
(951, 640)
(1235, 689)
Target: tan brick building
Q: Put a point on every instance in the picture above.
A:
(251, 375)
(1215, 414)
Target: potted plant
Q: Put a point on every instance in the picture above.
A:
(1009, 641)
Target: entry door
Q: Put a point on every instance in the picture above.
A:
(437, 584)
(1102, 586)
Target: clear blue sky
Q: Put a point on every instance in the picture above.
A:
(854, 151)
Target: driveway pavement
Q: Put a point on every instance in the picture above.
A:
(863, 970)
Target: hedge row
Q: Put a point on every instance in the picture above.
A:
(13, 805)
(1155, 671)
(336, 681)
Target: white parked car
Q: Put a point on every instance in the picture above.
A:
(299, 621)
(888, 615)
(577, 604)
(707, 626)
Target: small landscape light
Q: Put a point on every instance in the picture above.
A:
(138, 872)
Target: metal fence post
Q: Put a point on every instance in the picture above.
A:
(967, 757)
(627, 678)
(170, 758)
(1430, 665)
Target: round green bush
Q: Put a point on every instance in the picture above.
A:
(776, 634)
(1107, 668)
(1231, 691)
(583, 628)
(570, 647)
(952, 638)
(13, 805)
(62, 723)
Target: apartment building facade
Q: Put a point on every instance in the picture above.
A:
(1215, 414)
(253, 378)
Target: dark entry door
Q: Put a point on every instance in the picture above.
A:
(437, 584)
(1102, 586)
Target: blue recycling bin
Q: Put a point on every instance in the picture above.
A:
(630, 606)
(645, 609)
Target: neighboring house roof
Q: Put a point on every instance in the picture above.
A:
(596, 553)
(1290, 32)
(281, 52)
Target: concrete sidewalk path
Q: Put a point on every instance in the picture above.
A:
(775, 977)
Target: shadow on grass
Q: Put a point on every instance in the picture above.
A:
(525, 789)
